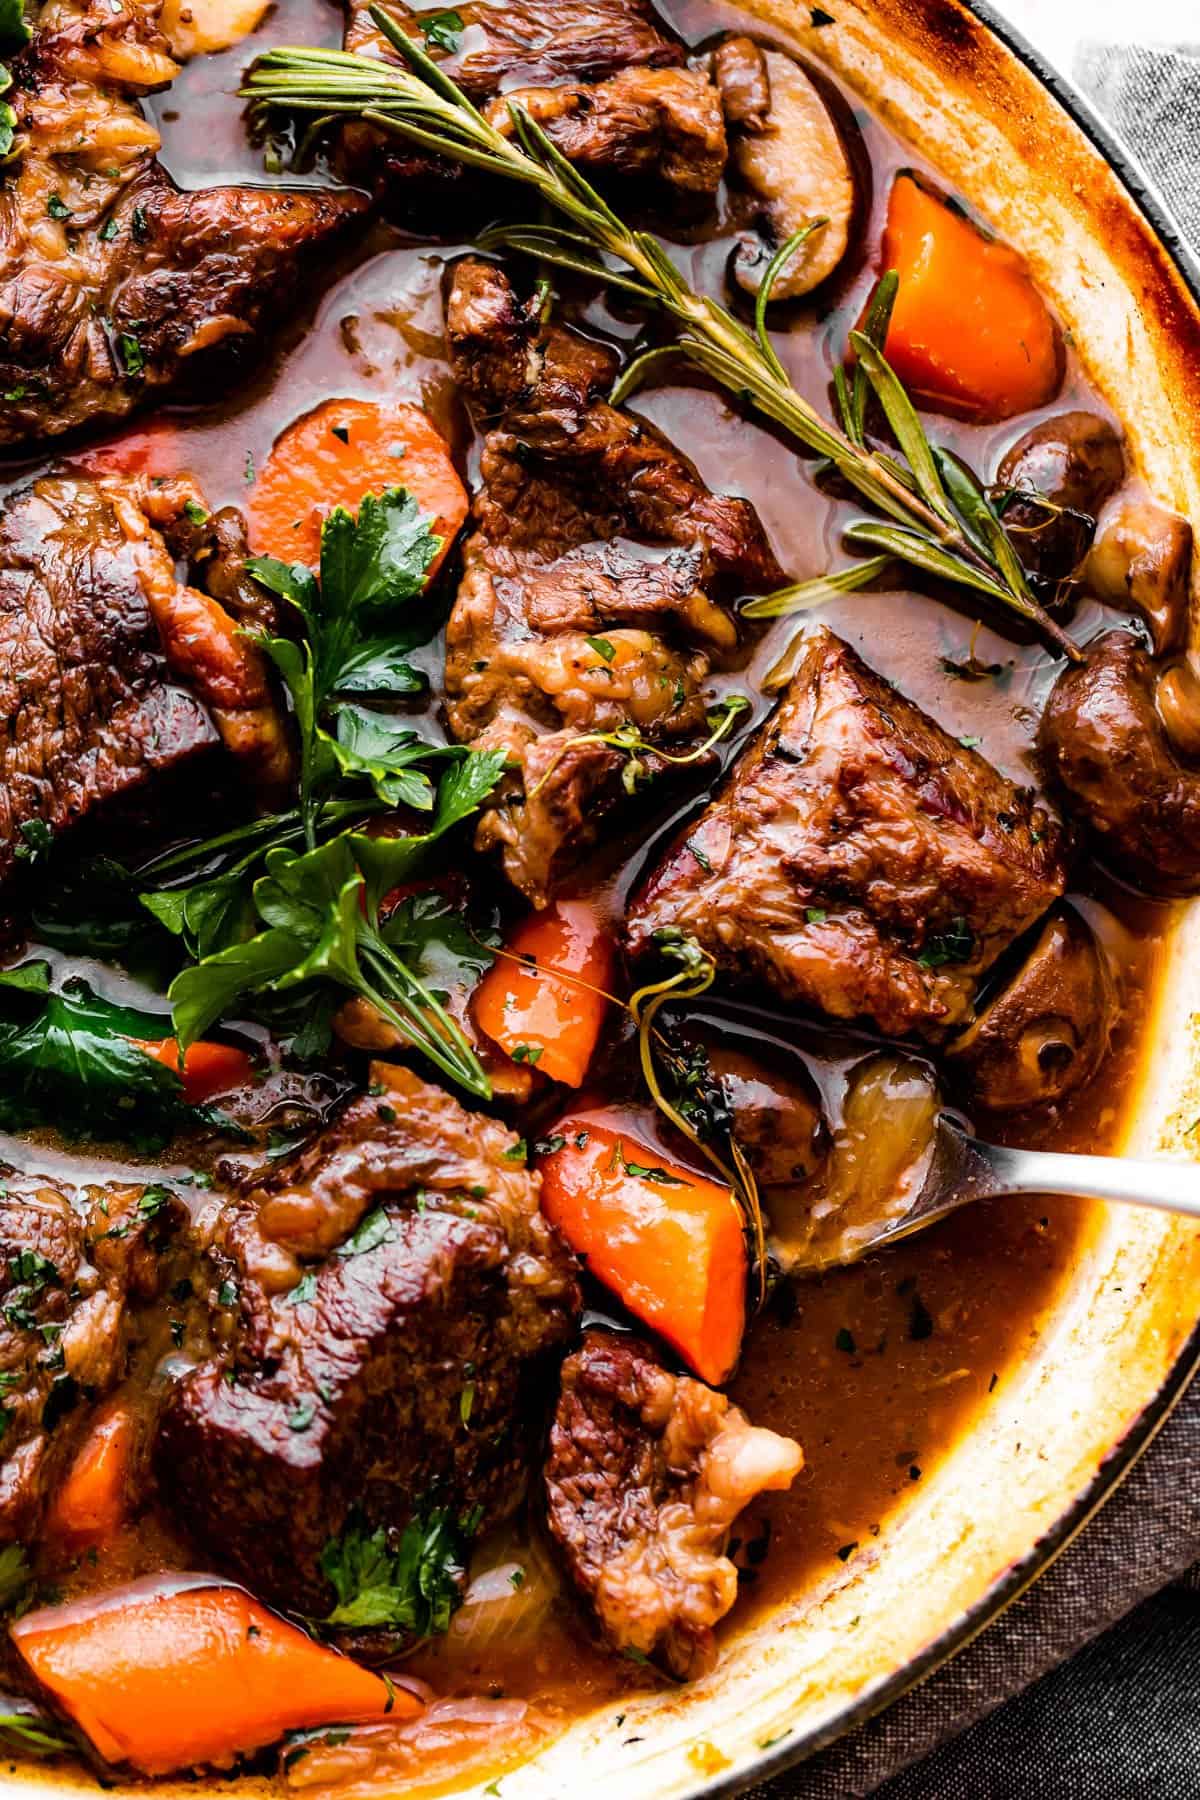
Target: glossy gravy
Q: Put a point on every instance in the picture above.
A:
(878, 1369)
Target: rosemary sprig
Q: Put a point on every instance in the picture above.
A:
(422, 104)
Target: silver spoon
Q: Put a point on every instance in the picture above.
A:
(962, 1169)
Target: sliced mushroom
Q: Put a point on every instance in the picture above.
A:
(1104, 739)
(792, 159)
(1050, 488)
(1143, 557)
(1047, 1030)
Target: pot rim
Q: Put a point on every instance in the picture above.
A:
(1148, 199)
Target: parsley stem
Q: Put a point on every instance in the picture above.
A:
(405, 1001)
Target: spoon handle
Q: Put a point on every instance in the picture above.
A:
(1169, 1185)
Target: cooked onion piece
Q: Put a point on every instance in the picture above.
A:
(876, 1166)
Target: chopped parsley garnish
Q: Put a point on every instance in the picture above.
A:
(844, 1341)
(36, 841)
(57, 207)
(956, 945)
(442, 30)
(108, 231)
(304, 1290)
(374, 1230)
(132, 355)
(286, 924)
(414, 1587)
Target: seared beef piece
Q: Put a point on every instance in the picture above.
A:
(92, 620)
(532, 42)
(592, 579)
(114, 285)
(69, 1274)
(858, 859)
(406, 1375)
(600, 77)
(1105, 740)
(646, 1474)
(664, 126)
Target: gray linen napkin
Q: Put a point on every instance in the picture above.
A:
(1142, 1682)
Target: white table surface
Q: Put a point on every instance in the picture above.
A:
(1056, 26)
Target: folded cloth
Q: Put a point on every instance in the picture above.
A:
(1122, 1720)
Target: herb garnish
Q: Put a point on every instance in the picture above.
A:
(442, 30)
(68, 1056)
(937, 517)
(414, 1587)
(954, 945)
(294, 906)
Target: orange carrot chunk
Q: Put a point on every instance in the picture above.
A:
(208, 1068)
(334, 455)
(90, 1505)
(970, 332)
(668, 1242)
(539, 1000)
(164, 1680)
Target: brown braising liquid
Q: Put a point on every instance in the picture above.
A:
(875, 1369)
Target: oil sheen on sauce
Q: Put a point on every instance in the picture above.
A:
(876, 1369)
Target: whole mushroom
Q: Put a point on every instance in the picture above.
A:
(1047, 1030)
(1052, 485)
(1105, 739)
(1143, 558)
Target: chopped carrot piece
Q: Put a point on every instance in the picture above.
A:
(166, 1678)
(334, 455)
(667, 1241)
(969, 332)
(208, 1068)
(90, 1504)
(541, 999)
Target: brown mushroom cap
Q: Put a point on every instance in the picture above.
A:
(1047, 1030)
(1143, 558)
(1074, 459)
(1104, 740)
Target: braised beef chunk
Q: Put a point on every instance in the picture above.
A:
(114, 285)
(858, 859)
(94, 623)
(646, 1474)
(69, 1277)
(397, 1294)
(90, 712)
(600, 76)
(592, 585)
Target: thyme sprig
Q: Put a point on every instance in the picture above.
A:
(937, 517)
(694, 977)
